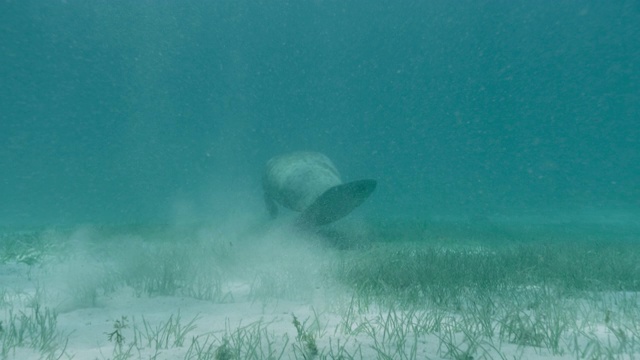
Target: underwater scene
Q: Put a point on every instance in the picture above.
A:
(319, 179)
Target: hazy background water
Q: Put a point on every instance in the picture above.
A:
(151, 110)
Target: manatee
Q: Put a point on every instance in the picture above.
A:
(309, 183)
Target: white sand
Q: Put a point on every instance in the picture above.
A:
(250, 307)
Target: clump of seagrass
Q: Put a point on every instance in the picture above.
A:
(306, 342)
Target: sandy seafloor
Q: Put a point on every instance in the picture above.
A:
(231, 291)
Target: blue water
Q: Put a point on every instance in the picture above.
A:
(126, 111)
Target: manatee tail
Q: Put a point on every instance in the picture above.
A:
(337, 202)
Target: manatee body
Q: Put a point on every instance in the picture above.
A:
(308, 182)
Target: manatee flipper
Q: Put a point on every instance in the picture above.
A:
(337, 202)
(272, 207)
